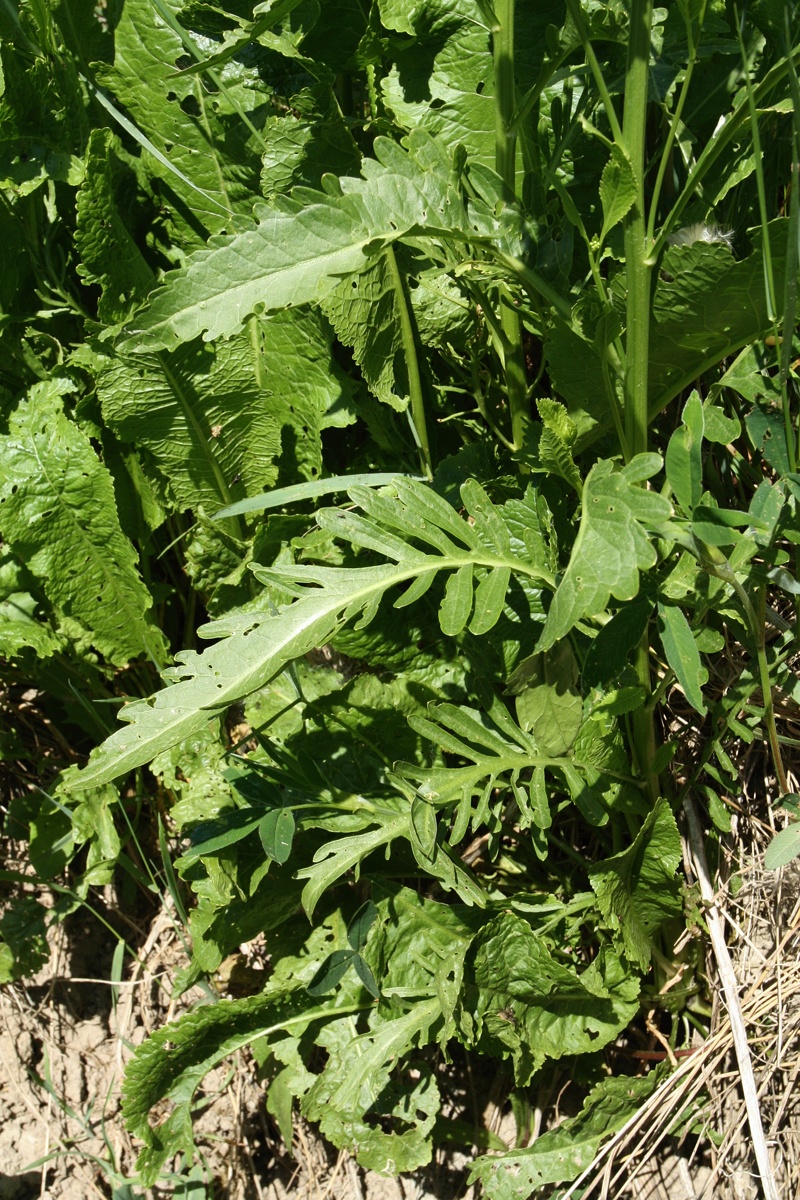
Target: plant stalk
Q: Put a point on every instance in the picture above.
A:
(637, 344)
(505, 156)
(409, 341)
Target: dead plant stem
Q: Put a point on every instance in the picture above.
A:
(731, 990)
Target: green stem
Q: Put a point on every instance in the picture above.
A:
(756, 617)
(666, 155)
(638, 271)
(412, 363)
(637, 344)
(716, 148)
(505, 155)
(591, 58)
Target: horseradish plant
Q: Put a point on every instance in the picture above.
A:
(573, 488)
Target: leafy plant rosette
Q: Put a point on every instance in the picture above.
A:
(443, 264)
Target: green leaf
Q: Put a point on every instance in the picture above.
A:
(276, 831)
(560, 1155)
(200, 137)
(552, 715)
(337, 857)
(683, 462)
(364, 973)
(423, 828)
(707, 306)
(457, 604)
(682, 654)
(331, 972)
(22, 622)
(556, 442)
(639, 889)
(607, 656)
(359, 927)
(363, 310)
(58, 514)
(23, 930)
(617, 189)
(612, 545)
(783, 849)
(199, 415)
(298, 253)
(527, 1005)
(173, 1062)
(109, 255)
(254, 647)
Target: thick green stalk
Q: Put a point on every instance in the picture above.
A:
(418, 418)
(505, 146)
(637, 344)
(638, 271)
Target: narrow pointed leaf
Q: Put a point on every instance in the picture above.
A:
(682, 654)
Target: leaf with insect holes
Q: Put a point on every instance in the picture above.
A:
(613, 545)
(299, 252)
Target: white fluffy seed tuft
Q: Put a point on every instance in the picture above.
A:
(701, 232)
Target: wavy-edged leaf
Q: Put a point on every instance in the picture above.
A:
(612, 545)
(58, 513)
(559, 1155)
(363, 310)
(530, 1007)
(639, 889)
(109, 256)
(299, 252)
(556, 440)
(201, 416)
(173, 1062)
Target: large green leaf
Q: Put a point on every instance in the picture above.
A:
(442, 77)
(531, 1006)
(560, 1154)
(299, 251)
(209, 167)
(207, 425)
(612, 545)
(363, 311)
(216, 419)
(109, 255)
(58, 514)
(255, 646)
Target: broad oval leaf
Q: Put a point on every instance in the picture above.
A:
(276, 831)
(783, 849)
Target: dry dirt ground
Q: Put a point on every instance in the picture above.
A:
(66, 1034)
